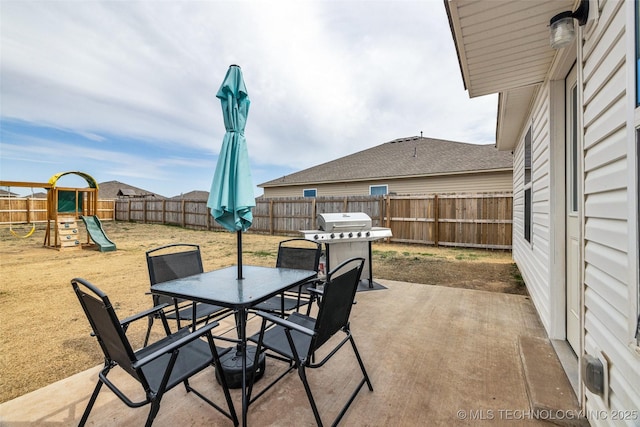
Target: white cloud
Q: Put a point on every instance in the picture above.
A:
(325, 78)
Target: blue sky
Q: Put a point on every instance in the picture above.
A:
(125, 90)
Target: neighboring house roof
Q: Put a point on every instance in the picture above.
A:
(193, 195)
(115, 189)
(127, 192)
(503, 47)
(403, 158)
(6, 193)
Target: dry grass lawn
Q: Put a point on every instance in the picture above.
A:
(44, 335)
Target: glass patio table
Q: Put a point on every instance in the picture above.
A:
(222, 287)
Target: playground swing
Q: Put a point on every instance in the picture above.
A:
(33, 224)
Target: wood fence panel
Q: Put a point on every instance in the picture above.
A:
(19, 210)
(477, 220)
(137, 210)
(154, 212)
(262, 216)
(469, 220)
(291, 215)
(196, 214)
(412, 219)
(105, 209)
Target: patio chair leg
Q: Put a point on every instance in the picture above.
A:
(92, 400)
(155, 407)
(303, 377)
(364, 371)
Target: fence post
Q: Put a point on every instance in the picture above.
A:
(436, 220)
(388, 211)
(29, 220)
(184, 214)
(271, 217)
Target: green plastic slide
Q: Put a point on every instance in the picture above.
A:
(97, 234)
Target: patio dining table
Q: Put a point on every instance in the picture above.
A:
(222, 287)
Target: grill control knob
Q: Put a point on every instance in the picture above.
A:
(359, 234)
(350, 234)
(315, 237)
(341, 235)
(368, 234)
(332, 235)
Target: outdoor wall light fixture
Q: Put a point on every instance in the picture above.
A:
(561, 27)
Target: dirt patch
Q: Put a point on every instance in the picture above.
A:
(44, 334)
(486, 275)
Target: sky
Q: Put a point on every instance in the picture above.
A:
(125, 90)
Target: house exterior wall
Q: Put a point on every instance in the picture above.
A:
(610, 211)
(532, 257)
(460, 183)
(609, 291)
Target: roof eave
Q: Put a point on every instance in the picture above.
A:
(491, 39)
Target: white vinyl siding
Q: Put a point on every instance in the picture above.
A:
(533, 258)
(607, 291)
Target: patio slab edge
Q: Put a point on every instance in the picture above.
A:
(551, 396)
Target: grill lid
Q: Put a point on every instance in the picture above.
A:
(348, 221)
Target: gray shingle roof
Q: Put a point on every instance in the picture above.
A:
(403, 158)
(193, 195)
(110, 190)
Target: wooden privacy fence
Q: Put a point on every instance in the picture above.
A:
(468, 220)
(26, 210)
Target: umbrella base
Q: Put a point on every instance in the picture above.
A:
(231, 365)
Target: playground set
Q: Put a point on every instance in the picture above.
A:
(65, 205)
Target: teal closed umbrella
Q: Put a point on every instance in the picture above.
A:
(231, 197)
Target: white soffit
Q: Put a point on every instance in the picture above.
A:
(503, 44)
(513, 109)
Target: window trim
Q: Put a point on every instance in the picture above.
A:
(527, 224)
(633, 153)
(315, 192)
(386, 189)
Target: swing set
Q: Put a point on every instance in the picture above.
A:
(64, 207)
(33, 224)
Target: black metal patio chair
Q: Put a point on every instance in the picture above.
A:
(176, 261)
(158, 367)
(299, 337)
(299, 254)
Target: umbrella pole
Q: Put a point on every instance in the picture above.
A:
(239, 249)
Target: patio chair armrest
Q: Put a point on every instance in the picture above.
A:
(205, 330)
(285, 323)
(142, 314)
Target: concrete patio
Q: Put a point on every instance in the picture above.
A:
(435, 355)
